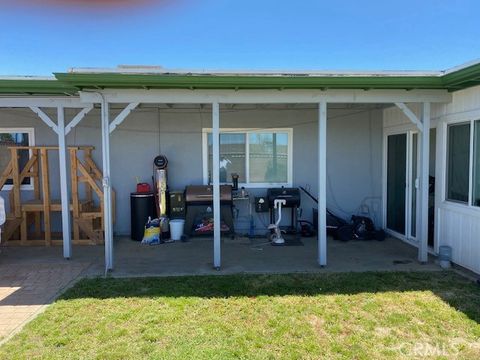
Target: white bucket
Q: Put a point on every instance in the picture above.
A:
(445, 264)
(176, 229)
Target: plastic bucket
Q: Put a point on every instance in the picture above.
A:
(176, 229)
(445, 253)
(445, 256)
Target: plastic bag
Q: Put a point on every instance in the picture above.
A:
(151, 234)
(2, 211)
(2, 216)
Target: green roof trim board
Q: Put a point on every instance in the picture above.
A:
(144, 78)
(33, 86)
(463, 77)
(242, 81)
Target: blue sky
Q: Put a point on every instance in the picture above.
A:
(247, 34)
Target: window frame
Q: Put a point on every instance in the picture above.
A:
(469, 204)
(31, 142)
(447, 164)
(247, 132)
(473, 125)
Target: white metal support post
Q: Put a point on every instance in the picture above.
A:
(322, 183)
(107, 193)
(441, 161)
(422, 213)
(216, 185)
(62, 157)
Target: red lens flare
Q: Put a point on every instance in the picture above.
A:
(89, 5)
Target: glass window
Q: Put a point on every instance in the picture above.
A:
(268, 157)
(15, 137)
(258, 157)
(476, 164)
(458, 161)
(232, 156)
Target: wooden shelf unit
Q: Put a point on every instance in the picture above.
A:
(35, 214)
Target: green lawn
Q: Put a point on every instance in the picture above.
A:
(358, 315)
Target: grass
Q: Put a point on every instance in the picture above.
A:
(297, 316)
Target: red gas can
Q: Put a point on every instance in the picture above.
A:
(143, 187)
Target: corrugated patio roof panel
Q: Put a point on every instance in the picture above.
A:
(156, 77)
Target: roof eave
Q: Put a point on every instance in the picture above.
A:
(35, 87)
(120, 80)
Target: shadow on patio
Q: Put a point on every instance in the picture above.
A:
(244, 255)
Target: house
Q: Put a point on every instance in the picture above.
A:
(363, 142)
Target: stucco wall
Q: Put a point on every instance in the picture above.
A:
(353, 160)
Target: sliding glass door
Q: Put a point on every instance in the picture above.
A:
(402, 174)
(413, 176)
(396, 182)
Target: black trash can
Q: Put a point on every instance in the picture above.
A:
(142, 205)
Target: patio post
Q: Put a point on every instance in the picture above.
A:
(322, 183)
(216, 185)
(62, 157)
(107, 194)
(422, 212)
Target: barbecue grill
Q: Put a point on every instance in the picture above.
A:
(199, 207)
(292, 198)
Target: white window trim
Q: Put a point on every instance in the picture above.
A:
(31, 142)
(247, 131)
(460, 204)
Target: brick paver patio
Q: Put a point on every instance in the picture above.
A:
(26, 289)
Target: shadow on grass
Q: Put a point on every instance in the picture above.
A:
(455, 290)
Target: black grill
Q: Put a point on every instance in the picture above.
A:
(199, 206)
(291, 195)
(292, 198)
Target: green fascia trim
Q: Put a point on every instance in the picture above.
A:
(71, 83)
(463, 78)
(32, 86)
(116, 80)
